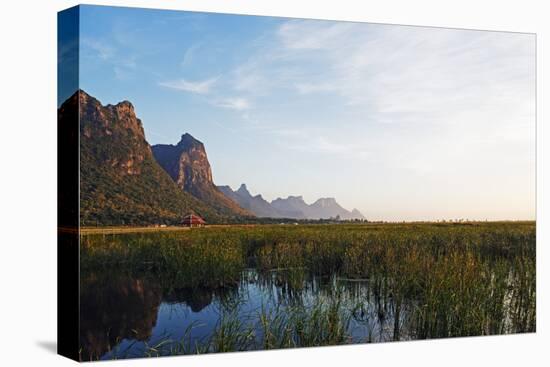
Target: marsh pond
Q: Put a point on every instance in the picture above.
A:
(265, 287)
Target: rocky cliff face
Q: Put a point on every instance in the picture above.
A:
(120, 181)
(187, 164)
(114, 123)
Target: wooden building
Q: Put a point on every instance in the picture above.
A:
(193, 220)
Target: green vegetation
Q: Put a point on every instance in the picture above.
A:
(108, 198)
(424, 280)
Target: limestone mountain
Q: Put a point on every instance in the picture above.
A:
(257, 204)
(329, 208)
(356, 214)
(120, 181)
(323, 208)
(188, 166)
(292, 204)
(291, 207)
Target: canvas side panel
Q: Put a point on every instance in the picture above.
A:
(68, 183)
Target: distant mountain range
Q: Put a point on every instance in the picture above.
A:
(292, 207)
(126, 181)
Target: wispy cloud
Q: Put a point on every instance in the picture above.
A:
(101, 49)
(314, 35)
(423, 106)
(391, 70)
(318, 143)
(306, 88)
(123, 63)
(199, 87)
(453, 82)
(189, 55)
(324, 145)
(238, 104)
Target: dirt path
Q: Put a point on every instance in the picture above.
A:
(118, 230)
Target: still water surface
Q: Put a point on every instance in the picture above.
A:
(123, 316)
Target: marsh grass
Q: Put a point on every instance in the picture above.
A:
(424, 280)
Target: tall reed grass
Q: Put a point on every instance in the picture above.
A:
(425, 280)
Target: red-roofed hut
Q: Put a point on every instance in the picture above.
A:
(193, 220)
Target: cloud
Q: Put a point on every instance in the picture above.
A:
(306, 88)
(101, 49)
(189, 56)
(122, 62)
(239, 104)
(308, 142)
(435, 83)
(315, 141)
(313, 35)
(390, 70)
(199, 87)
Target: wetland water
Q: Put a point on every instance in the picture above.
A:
(124, 317)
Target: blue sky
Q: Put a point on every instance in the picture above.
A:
(403, 123)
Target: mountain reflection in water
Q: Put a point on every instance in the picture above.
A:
(118, 310)
(125, 317)
(115, 309)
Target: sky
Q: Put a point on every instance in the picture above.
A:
(400, 122)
